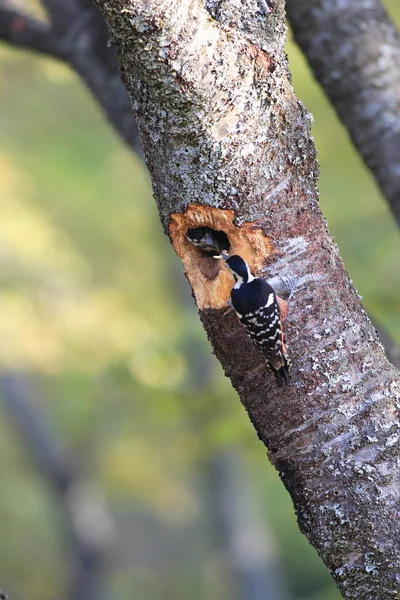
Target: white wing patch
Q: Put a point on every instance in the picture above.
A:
(270, 300)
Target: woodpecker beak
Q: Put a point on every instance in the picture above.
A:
(223, 255)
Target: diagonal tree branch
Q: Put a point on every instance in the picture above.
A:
(228, 147)
(354, 51)
(95, 60)
(78, 35)
(27, 32)
(60, 12)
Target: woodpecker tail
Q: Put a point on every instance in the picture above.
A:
(282, 375)
(280, 366)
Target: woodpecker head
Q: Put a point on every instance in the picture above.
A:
(239, 269)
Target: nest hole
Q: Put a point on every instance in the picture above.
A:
(210, 242)
(203, 232)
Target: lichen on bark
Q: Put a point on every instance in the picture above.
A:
(221, 127)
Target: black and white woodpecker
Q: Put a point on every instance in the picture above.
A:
(261, 313)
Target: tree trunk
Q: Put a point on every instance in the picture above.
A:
(228, 146)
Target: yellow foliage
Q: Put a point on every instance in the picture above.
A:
(52, 315)
(28, 237)
(56, 72)
(158, 370)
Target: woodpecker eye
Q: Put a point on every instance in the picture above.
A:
(210, 242)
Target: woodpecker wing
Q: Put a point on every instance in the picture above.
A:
(258, 309)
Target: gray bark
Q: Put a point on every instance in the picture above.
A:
(229, 146)
(354, 51)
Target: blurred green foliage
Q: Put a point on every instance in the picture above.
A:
(88, 306)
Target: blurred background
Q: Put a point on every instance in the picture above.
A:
(127, 463)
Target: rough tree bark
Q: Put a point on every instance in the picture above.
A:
(228, 146)
(354, 51)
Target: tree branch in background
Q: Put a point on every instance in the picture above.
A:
(88, 524)
(24, 31)
(354, 51)
(77, 34)
(229, 148)
(95, 60)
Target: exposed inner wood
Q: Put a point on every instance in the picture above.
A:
(209, 278)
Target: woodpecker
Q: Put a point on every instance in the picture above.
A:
(260, 311)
